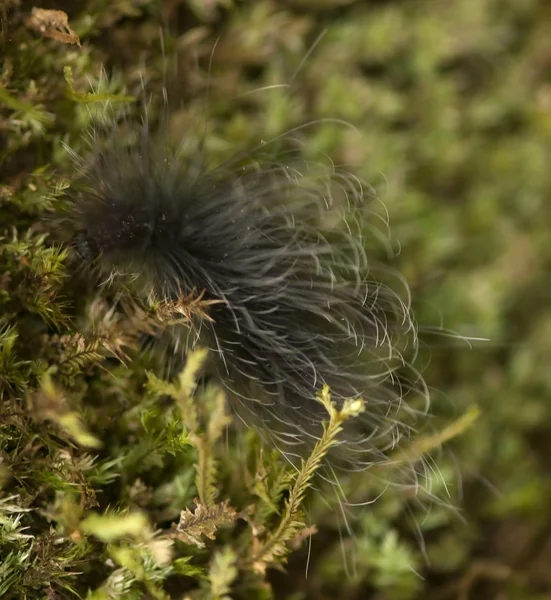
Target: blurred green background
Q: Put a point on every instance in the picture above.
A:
(452, 106)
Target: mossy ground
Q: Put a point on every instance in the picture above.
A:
(452, 103)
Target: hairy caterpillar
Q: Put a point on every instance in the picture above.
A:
(277, 246)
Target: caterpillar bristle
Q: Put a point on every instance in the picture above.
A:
(277, 247)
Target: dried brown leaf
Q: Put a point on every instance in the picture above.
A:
(203, 521)
(53, 24)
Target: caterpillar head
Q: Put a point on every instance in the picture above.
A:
(132, 213)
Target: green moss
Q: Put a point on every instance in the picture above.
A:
(450, 105)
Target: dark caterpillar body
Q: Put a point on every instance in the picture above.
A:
(282, 253)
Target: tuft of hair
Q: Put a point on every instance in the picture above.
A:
(276, 247)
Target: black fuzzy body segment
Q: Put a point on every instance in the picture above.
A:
(281, 250)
